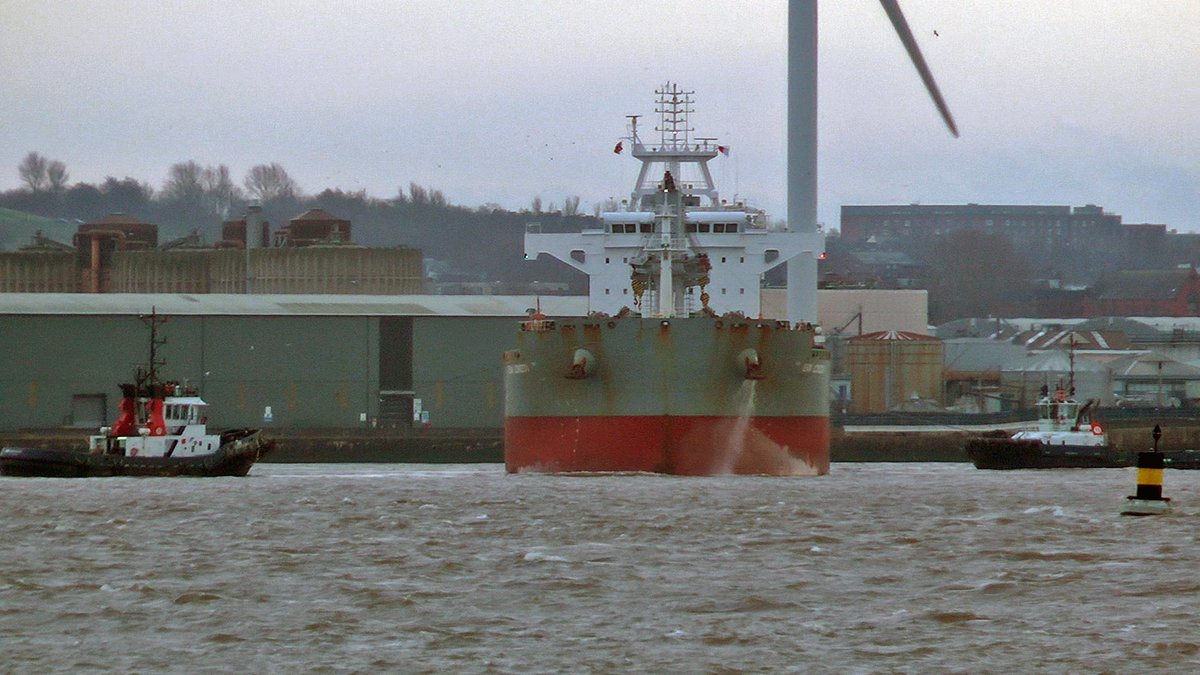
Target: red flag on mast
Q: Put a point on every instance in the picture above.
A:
(723, 149)
(618, 148)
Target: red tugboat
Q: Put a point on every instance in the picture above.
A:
(161, 431)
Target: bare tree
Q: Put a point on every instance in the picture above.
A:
(219, 191)
(270, 182)
(974, 273)
(32, 170)
(418, 194)
(571, 206)
(183, 192)
(536, 205)
(56, 176)
(184, 184)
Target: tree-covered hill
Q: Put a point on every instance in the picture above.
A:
(483, 244)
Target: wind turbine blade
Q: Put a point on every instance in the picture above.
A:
(892, 7)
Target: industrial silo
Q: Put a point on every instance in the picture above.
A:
(890, 368)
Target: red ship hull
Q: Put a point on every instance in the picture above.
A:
(680, 445)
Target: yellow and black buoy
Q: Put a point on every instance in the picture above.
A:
(1149, 500)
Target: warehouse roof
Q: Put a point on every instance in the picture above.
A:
(288, 305)
(979, 355)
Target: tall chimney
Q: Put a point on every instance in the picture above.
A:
(254, 226)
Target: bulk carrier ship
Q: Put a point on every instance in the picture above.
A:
(675, 370)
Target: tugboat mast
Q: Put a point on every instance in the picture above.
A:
(147, 379)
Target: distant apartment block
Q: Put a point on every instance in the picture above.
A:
(1034, 225)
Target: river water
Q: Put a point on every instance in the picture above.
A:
(345, 568)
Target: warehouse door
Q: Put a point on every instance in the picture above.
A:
(88, 410)
(396, 372)
(395, 409)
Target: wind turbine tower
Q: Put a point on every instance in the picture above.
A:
(802, 139)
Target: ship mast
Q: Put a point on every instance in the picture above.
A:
(676, 149)
(147, 379)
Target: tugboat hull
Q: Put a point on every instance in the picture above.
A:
(1009, 453)
(233, 458)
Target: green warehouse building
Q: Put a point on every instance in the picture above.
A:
(357, 374)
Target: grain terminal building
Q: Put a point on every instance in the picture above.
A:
(285, 362)
(118, 253)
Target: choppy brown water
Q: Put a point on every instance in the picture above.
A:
(905, 567)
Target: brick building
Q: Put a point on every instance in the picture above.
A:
(1170, 292)
(1078, 225)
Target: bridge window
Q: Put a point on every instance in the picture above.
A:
(647, 228)
(577, 256)
(718, 227)
(704, 227)
(731, 227)
(630, 228)
(690, 227)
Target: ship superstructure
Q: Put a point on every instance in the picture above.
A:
(718, 249)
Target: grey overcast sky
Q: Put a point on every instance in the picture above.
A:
(1058, 101)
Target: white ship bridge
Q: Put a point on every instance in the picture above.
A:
(739, 244)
